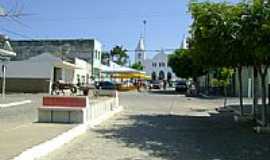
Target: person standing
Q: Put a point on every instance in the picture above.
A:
(139, 86)
(164, 84)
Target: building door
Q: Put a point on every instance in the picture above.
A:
(57, 74)
(161, 75)
(169, 76)
(154, 76)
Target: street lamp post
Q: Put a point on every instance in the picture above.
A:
(6, 52)
(3, 80)
(4, 68)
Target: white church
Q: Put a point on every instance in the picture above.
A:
(157, 67)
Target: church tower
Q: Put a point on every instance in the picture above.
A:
(140, 52)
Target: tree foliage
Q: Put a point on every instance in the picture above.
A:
(215, 36)
(223, 77)
(183, 64)
(137, 66)
(232, 35)
(119, 55)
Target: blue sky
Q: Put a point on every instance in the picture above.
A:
(113, 22)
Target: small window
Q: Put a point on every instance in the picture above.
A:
(139, 55)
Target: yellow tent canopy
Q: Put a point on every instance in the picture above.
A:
(130, 75)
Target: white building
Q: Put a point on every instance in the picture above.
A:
(38, 73)
(157, 67)
(87, 49)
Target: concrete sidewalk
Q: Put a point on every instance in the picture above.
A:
(10, 98)
(18, 128)
(16, 140)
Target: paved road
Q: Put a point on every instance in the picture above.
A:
(160, 126)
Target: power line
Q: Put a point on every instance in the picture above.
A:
(15, 33)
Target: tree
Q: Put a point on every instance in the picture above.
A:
(222, 80)
(119, 55)
(256, 24)
(216, 40)
(184, 66)
(234, 35)
(137, 66)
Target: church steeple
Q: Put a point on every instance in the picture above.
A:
(184, 44)
(140, 51)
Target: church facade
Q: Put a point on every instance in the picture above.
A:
(157, 67)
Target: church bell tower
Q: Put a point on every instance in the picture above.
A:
(140, 51)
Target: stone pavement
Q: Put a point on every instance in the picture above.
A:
(19, 130)
(172, 127)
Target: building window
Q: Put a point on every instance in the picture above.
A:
(154, 64)
(83, 80)
(163, 64)
(78, 79)
(139, 55)
(99, 55)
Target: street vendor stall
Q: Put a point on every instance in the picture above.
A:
(124, 75)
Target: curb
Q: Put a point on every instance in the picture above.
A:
(45, 148)
(15, 103)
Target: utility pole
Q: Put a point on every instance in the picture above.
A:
(4, 69)
(5, 53)
(3, 80)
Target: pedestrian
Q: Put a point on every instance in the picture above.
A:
(164, 85)
(138, 86)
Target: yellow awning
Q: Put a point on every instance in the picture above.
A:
(130, 75)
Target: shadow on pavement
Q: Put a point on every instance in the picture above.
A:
(176, 137)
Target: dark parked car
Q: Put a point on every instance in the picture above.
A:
(181, 86)
(107, 85)
(191, 91)
(155, 85)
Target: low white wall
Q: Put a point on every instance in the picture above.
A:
(92, 111)
(110, 93)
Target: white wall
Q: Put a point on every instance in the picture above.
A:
(25, 69)
(97, 53)
(83, 70)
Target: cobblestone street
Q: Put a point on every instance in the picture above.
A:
(174, 127)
